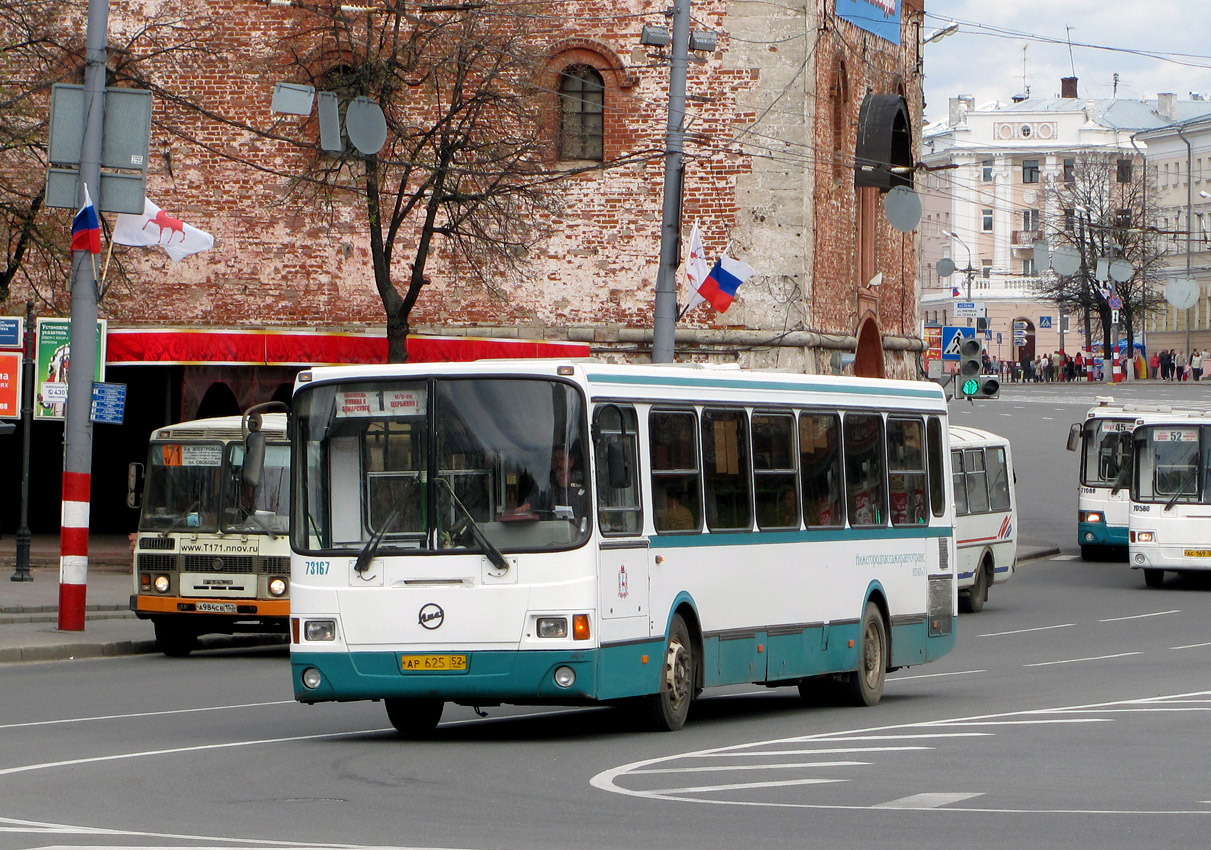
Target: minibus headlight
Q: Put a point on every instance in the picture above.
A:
(1144, 537)
(552, 627)
(319, 630)
(162, 584)
(1092, 516)
(277, 586)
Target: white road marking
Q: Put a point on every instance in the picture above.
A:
(730, 767)
(832, 751)
(742, 786)
(1068, 557)
(927, 801)
(1024, 631)
(1191, 646)
(1031, 722)
(1076, 660)
(908, 737)
(144, 714)
(1140, 616)
(933, 675)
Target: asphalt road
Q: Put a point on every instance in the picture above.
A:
(1072, 714)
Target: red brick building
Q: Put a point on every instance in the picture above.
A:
(794, 107)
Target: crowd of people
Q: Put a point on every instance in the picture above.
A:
(1168, 365)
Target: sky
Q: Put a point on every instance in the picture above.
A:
(1002, 47)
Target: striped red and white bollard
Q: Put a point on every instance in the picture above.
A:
(73, 551)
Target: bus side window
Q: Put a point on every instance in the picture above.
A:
(725, 461)
(998, 479)
(960, 483)
(673, 438)
(937, 481)
(865, 471)
(906, 466)
(619, 510)
(977, 481)
(774, 470)
(820, 475)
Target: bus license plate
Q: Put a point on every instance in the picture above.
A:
(1198, 553)
(217, 607)
(429, 663)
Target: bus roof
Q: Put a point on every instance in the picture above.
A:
(965, 434)
(219, 428)
(691, 381)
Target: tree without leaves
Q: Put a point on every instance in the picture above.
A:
(1103, 217)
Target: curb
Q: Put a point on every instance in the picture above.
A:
(1035, 554)
(114, 649)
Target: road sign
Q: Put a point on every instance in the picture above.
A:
(1115, 302)
(968, 309)
(1044, 321)
(10, 384)
(952, 340)
(109, 403)
(12, 332)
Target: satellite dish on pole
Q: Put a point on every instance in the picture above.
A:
(946, 267)
(902, 207)
(1182, 293)
(366, 125)
(1066, 260)
(1121, 271)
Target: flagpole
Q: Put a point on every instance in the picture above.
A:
(109, 253)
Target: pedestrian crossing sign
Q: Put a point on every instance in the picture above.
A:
(952, 339)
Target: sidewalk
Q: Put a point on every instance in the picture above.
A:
(29, 610)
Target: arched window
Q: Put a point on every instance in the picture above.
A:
(581, 110)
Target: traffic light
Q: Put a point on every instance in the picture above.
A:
(972, 384)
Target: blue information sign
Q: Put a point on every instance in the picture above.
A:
(952, 338)
(109, 403)
(11, 332)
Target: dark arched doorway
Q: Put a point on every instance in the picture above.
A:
(218, 401)
(868, 361)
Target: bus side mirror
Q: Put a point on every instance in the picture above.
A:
(134, 485)
(617, 466)
(254, 459)
(1074, 437)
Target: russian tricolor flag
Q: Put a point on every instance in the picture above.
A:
(725, 278)
(86, 227)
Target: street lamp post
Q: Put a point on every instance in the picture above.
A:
(969, 269)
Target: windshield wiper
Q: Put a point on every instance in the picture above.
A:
(367, 554)
(1121, 480)
(490, 551)
(1181, 489)
(172, 523)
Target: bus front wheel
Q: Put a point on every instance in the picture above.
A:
(414, 718)
(174, 639)
(671, 705)
(865, 685)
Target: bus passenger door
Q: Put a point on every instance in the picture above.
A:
(623, 559)
(623, 571)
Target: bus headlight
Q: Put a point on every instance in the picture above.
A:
(565, 677)
(552, 627)
(319, 630)
(1144, 537)
(311, 678)
(277, 586)
(1091, 516)
(162, 584)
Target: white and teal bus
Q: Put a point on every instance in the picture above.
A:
(1103, 499)
(575, 533)
(1170, 524)
(985, 513)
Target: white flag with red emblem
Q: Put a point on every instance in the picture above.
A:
(156, 227)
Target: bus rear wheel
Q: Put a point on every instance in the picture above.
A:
(669, 707)
(414, 718)
(972, 602)
(865, 685)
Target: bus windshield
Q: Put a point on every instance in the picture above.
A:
(440, 465)
(182, 487)
(265, 507)
(1107, 452)
(1172, 464)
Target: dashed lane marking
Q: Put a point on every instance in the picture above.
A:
(927, 801)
